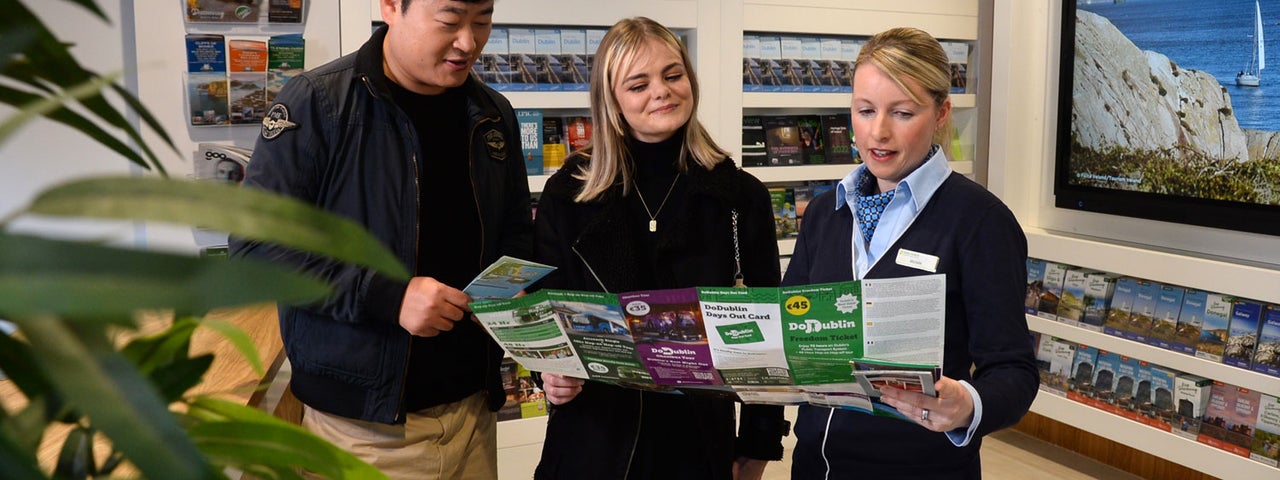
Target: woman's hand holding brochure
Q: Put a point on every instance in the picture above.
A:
(951, 409)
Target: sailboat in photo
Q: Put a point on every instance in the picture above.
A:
(1251, 77)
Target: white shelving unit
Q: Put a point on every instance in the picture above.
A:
(946, 20)
(798, 173)
(950, 20)
(1158, 356)
(1209, 274)
(520, 446)
(1213, 275)
(549, 100)
(812, 100)
(786, 246)
(1162, 444)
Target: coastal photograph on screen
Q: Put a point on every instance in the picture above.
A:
(1167, 111)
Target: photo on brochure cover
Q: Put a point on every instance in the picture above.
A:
(873, 375)
(670, 337)
(505, 278)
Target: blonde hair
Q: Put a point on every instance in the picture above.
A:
(912, 53)
(609, 161)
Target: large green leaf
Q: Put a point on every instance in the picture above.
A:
(16, 39)
(26, 429)
(155, 351)
(115, 459)
(175, 379)
(90, 282)
(75, 461)
(92, 101)
(17, 361)
(149, 119)
(16, 463)
(92, 6)
(238, 435)
(243, 212)
(46, 63)
(80, 123)
(165, 359)
(82, 363)
(48, 57)
(240, 339)
(43, 106)
(265, 473)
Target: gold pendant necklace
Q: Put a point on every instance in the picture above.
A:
(653, 216)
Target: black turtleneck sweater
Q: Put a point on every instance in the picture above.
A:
(654, 173)
(448, 245)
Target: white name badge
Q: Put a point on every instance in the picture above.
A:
(917, 260)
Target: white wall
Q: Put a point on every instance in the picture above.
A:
(45, 153)
(161, 60)
(152, 56)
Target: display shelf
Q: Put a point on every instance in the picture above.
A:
(811, 100)
(520, 432)
(675, 14)
(1162, 444)
(807, 100)
(549, 100)
(1211, 275)
(1158, 356)
(520, 447)
(672, 13)
(537, 183)
(786, 246)
(800, 173)
(945, 19)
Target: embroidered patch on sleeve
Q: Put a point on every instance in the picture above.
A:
(497, 144)
(276, 121)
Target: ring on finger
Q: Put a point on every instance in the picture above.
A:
(924, 415)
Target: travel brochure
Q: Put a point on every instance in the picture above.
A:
(505, 278)
(244, 11)
(829, 344)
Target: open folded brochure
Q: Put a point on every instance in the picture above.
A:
(828, 344)
(505, 278)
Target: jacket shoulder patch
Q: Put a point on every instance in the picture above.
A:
(276, 121)
(497, 144)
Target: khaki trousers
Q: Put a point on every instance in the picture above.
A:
(455, 441)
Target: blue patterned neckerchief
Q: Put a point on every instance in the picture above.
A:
(870, 205)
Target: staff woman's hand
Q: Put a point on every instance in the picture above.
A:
(951, 409)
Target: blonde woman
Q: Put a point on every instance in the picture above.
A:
(650, 204)
(903, 203)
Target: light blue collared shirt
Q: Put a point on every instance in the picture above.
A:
(909, 198)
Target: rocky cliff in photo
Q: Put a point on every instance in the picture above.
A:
(1142, 101)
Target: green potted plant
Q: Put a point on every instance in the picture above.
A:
(68, 298)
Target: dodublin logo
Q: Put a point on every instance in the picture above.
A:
(815, 326)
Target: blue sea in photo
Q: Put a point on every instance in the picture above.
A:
(1214, 36)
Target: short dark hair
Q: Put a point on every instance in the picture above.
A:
(404, 4)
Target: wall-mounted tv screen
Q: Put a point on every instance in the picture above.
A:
(1166, 111)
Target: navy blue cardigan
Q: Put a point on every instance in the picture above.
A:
(982, 250)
